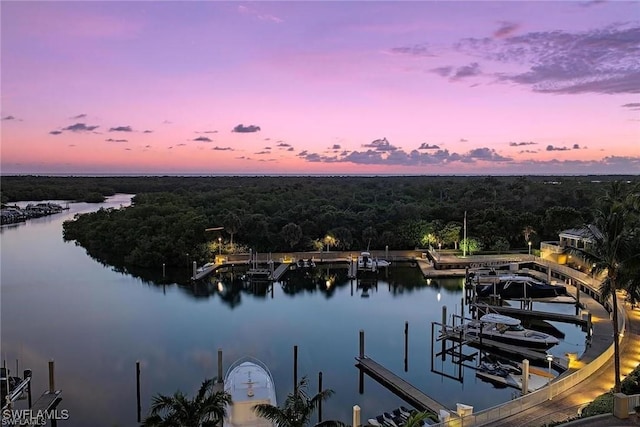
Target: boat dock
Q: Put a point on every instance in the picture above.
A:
(400, 387)
(279, 272)
(452, 334)
(544, 315)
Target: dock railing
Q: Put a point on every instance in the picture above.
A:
(504, 410)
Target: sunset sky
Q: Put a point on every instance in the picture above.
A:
(333, 87)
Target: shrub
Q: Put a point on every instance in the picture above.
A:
(602, 404)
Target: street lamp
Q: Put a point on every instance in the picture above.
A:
(219, 246)
(529, 247)
(549, 358)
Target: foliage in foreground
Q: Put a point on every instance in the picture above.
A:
(297, 408)
(206, 409)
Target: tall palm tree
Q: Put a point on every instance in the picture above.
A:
(297, 409)
(207, 409)
(611, 252)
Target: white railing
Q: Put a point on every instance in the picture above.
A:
(490, 415)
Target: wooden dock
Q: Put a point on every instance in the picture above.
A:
(544, 315)
(400, 387)
(280, 271)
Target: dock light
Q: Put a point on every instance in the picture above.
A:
(529, 247)
(219, 245)
(429, 281)
(220, 287)
(549, 358)
(439, 296)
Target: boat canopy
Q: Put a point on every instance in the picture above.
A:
(499, 318)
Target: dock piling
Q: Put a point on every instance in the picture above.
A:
(52, 383)
(27, 374)
(220, 378)
(525, 377)
(444, 323)
(406, 346)
(295, 369)
(361, 352)
(320, 402)
(356, 416)
(138, 390)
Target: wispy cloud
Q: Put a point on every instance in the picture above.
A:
(380, 145)
(222, 148)
(554, 148)
(81, 127)
(202, 139)
(8, 118)
(425, 146)
(421, 49)
(79, 116)
(115, 140)
(121, 129)
(147, 131)
(245, 129)
(55, 132)
(244, 10)
(632, 106)
(521, 144)
(506, 29)
(596, 61)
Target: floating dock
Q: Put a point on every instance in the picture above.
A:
(400, 387)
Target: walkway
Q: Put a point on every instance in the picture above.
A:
(565, 404)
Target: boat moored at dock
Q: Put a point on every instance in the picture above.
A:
(508, 330)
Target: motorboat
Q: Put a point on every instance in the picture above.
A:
(515, 286)
(368, 263)
(498, 327)
(249, 383)
(365, 261)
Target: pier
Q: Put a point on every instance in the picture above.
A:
(400, 387)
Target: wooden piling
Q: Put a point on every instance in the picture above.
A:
(320, 402)
(577, 297)
(163, 269)
(220, 377)
(406, 346)
(138, 390)
(52, 383)
(361, 352)
(295, 369)
(444, 324)
(525, 377)
(27, 374)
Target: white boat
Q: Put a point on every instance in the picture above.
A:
(367, 263)
(506, 329)
(249, 383)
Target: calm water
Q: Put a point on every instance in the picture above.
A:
(95, 321)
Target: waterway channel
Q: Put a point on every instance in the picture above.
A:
(96, 321)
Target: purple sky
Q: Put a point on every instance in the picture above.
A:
(353, 87)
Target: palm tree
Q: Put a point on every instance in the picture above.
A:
(416, 419)
(297, 409)
(206, 409)
(527, 232)
(611, 253)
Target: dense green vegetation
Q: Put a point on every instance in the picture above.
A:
(270, 214)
